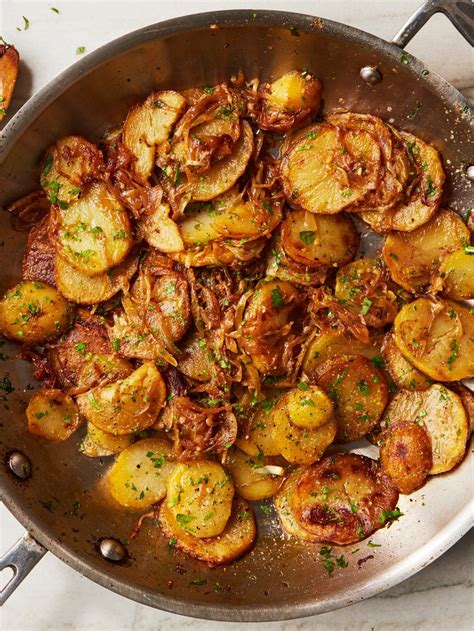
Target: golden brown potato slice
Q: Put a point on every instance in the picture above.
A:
(127, 405)
(294, 91)
(422, 196)
(441, 412)
(303, 425)
(343, 499)
(362, 287)
(284, 507)
(95, 233)
(402, 372)
(197, 226)
(236, 539)
(457, 273)
(160, 231)
(38, 258)
(68, 166)
(33, 313)
(225, 173)
(149, 124)
(406, 456)
(359, 391)
(231, 252)
(330, 169)
(196, 360)
(249, 219)
(199, 498)
(87, 290)
(315, 240)
(9, 62)
(52, 414)
(437, 337)
(99, 444)
(254, 479)
(328, 346)
(258, 439)
(140, 473)
(414, 258)
(282, 266)
(268, 321)
(467, 398)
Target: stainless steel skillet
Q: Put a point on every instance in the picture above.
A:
(53, 491)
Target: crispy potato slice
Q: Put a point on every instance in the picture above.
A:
(38, 258)
(284, 507)
(231, 252)
(362, 287)
(99, 444)
(9, 62)
(196, 361)
(441, 412)
(148, 124)
(406, 456)
(297, 442)
(437, 337)
(268, 321)
(422, 196)
(33, 313)
(331, 169)
(282, 266)
(294, 91)
(467, 398)
(199, 498)
(402, 372)
(197, 226)
(160, 231)
(258, 438)
(329, 345)
(225, 173)
(52, 415)
(457, 273)
(127, 405)
(68, 166)
(359, 391)
(82, 289)
(141, 472)
(414, 258)
(343, 499)
(253, 479)
(95, 233)
(315, 240)
(236, 539)
(247, 219)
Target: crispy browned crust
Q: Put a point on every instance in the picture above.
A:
(9, 63)
(38, 259)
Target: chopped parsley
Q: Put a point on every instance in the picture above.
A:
(80, 50)
(277, 299)
(388, 515)
(307, 236)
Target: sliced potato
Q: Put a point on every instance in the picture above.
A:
(38, 258)
(359, 391)
(441, 412)
(402, 372)
(253, 479)
(160, 231)
(68, 167)
(258, 439)
(94, 231)
(9, 63)
(457, 273)
(197, 226)
(199, 498)
(282, 266)
(422, 196)
(196, 360)
(225, 173)
(247, 219)
(52, 414)
(284, 507)
(343, 499)
(294, 91)
(231, 252)
(33, 312)
(310, 408)
(315, 240)
(236, 539)
(406, 456)
(99, 444)
(149, 124)
(361, 286)
(467, 398)
(140, 474)
(437, 337)
(79, 288)
(330, 169)
(414, 258)
(128, 405)
(268, 321)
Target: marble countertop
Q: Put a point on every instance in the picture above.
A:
(55, 597)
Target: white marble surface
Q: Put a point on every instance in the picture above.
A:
(439, 598)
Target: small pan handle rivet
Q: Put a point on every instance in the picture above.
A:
(19, 465)
(470, 172)
(370, 75)
(112, 549)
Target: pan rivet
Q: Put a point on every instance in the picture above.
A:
(370, 75)
(112, 549)
(19, 465)
(470, 172)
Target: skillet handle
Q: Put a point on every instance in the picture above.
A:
(460, 12)
(21, 558)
